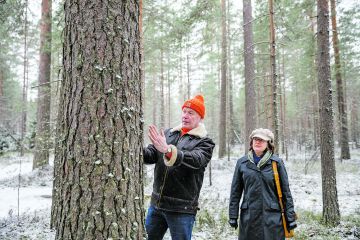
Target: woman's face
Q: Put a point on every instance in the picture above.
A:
(259, 145)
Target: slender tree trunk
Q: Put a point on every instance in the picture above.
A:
(222, 122)
(331, 214)
(259, 102)
(2, 98)
(98, 177)
(312, 66)
(249, 65)
(344, 133)
(283, 108)
(24, 94)
(162, 87)
(182, 91)
(188, 87)
(155, 102)
(231, 119)
(274, 81)
(355, 133)
(42, 140)
(169, 94)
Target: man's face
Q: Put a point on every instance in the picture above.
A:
(190, 118)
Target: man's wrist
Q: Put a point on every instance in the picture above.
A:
(167, 149)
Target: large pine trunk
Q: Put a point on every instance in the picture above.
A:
(343, 122)
(223, 105)
(98, 175)
(249, 64)
(331, 214)
(42, 139)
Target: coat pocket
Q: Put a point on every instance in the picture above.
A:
(274, 206)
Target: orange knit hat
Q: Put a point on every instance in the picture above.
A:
(196, 104)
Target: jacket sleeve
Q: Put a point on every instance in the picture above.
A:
(198, 157)
(287, 197)
(237, 187)
(150, 154)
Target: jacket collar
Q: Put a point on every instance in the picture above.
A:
(199, 131)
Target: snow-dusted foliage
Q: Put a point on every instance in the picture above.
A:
(211, 221)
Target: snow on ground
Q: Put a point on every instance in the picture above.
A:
(35, 197)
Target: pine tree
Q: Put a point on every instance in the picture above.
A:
(331, 213)
(98, 172)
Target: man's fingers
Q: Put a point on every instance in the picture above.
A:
(153, 130)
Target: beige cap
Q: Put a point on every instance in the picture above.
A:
(263, 133)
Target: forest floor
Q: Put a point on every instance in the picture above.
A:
(211, 221)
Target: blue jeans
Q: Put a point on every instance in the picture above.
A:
(158, 221)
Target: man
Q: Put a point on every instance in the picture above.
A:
(180, 155)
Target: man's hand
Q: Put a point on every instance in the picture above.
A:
(233, 223)
(158, 139)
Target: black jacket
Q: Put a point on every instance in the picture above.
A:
(177, 185)
(260, 216)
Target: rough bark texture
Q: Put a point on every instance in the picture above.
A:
(331, 214)
(98, 176)
(343, 122)
(273, 75)
(222, 122)
(249, 65)
(41, 156)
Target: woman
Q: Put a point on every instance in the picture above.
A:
(253, 179)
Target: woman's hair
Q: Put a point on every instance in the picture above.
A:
(270, 146)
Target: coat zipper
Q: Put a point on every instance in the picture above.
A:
(166, 173)
(162, 186)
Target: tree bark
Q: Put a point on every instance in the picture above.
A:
(42, 144)
(188, 87)
(249, 65)
(222, 122)
(283, 109)
(343, 121)
(155, 101)
(314, 95)
(162, 90)
(24, 93)
(2, 97)
(331, 214)
(98, 174)
(274, 81)
(354, 116)
(169, 115)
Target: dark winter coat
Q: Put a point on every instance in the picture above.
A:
(260, 216)
(177, 185)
